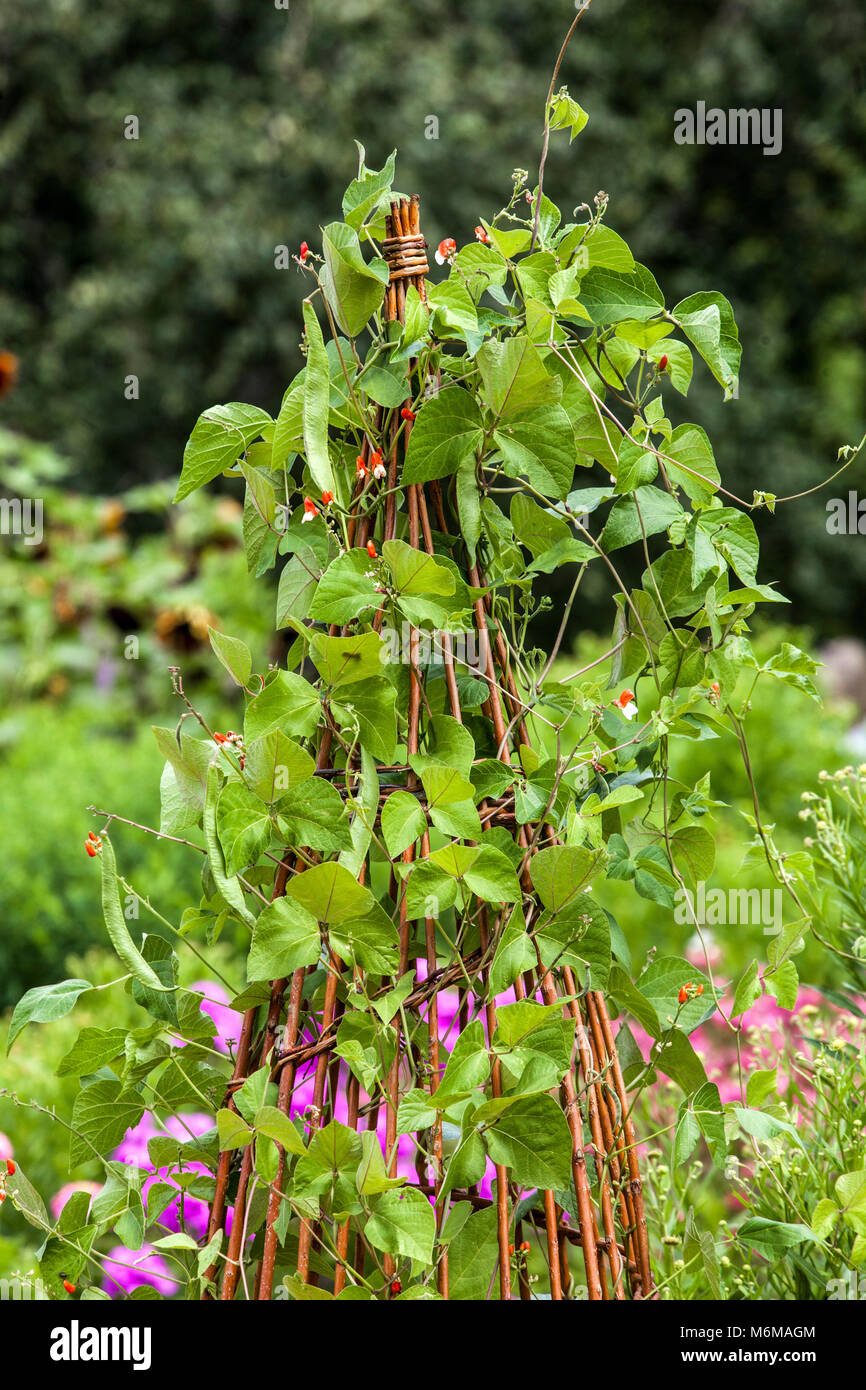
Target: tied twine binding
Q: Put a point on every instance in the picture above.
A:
(608, 1226)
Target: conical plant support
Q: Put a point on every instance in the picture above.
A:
(606, 1223)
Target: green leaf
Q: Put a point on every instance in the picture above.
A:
(403, 820)
(220, 436)
(472, 1256)
(101, 1115)
(609, 296)
(354, 288)
(539, 444)
(824, 1217)
(275, 763)
(763, 1126)
(694, 852)
(315, 816)
(515, 378)
(368, 191)
(531, 1138)
(227, 884)
(403, 1223)
(115, 922)
(701, 1113)
(344, 660)
(92, 1049)
(344, 591)
(243, 825)
(656, 509)
(415, 572)
(760, 1085)
(285, 937)
(43, 1004)
(773, 1238)
(454, 312)
(289, 426)
(317, 395)
(566, 114)
(288, 703)
(680, 362)
(748, 990)
(661, 983)
(234, 655)
(708, 320)
(514, 953)
(272, 1123)
(469, 506)
(605, 247)
(485, 871)
(698, 476)
(369, 705)
(562, 872)
(468, 1066)
(233, 1131)
(446, 433)
(450, 803)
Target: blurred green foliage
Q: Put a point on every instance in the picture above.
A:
(155, 256)
(790, 742)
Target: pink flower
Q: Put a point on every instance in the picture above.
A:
(129, 1269)
(216, 1003)
(6, 1150)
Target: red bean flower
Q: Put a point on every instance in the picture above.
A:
(311, 511)
(446, 250)
(93, 845)
(377, 465)
(663, 362)
(10, 1167)
(407, 414)
(327, 498)
(371, 549)
(481, 235)
(361, 467)
(683, 994)
(626, 704)
(305, 251)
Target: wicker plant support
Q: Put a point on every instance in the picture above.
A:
(608, 1224)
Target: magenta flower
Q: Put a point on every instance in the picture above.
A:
(129, 1269)
(215, 1001)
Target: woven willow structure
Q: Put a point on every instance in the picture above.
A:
(600, 1246)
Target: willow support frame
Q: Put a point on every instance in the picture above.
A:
(608, 1225)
